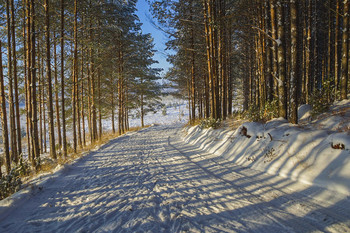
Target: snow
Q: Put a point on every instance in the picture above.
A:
(310, 155)
(260, 177)
(153, 181)
(304, 112)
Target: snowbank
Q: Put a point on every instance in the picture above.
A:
(316, 157)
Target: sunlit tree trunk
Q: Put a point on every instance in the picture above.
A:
(49, 81)
(64, 137)
(4, 118)
(58, 120)
(35, 139)
(15, 79)
(13, 137)
(74, 94)
(294, 76)
(281, 62)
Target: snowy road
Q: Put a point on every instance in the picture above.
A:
(151, 181)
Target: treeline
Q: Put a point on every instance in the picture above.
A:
(269, 56)
(65, 66)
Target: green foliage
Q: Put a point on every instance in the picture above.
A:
(22, 168)
(11, 183)
(253, 113)
(270, 111)
(209, 123)
(321, 99)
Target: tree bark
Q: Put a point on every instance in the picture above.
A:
(35, 141)
(294, 76)
(282, 100)
(58, 120)
(74, 94)
(4, 118)
(49, 81)
(15, 80)
(345, 52)
(13, 137)
(64, 137)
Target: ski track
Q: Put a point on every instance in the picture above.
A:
(151, 181)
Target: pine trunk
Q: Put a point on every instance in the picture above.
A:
(4, 118)
(294, 76)
(64, 137)
(281, 62)
(49, 82)
(336, 49)
(58, 121)
(13, 137)
(345, 52)
(15, 80)
(35, 139)
(74, 94)
(274, 47)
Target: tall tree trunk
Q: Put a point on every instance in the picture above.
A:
(92, 87)
(208, 77)
(336, 48)
(43, 96)
(211, 47)
(345, 52)
(93, 106)
(216, 75)
(13, 137)
(74, 94)
(269, 53)
(49, 82)
(113, 108)
(28, 83)
(58, 120)
(274, 47)
(41, 107)
(64, 137)
(120, 89)
(25, 63)
(222, 58)
(281, 62)
(35, 141)
(193, 79)
(294, 76)
(4, 118)
(142, 111)
(77, 102)
(82, 97)
(99, 103)
(15, 80)
(89, 96)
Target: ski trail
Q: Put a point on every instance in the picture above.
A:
(151, 181)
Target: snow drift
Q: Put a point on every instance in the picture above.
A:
(317, 157)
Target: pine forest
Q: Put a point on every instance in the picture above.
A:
(66, 65)
(73, 63)
(174, 116)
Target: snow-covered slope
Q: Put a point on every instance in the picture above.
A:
(315, 152)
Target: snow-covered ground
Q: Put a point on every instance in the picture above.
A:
(152, 181)
(316, 152)
(272, 177)
(175, 111)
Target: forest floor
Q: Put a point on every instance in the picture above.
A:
(152, 181)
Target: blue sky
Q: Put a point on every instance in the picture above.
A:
(159, 37)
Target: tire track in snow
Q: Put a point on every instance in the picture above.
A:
(310, 211)
(140, 183)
